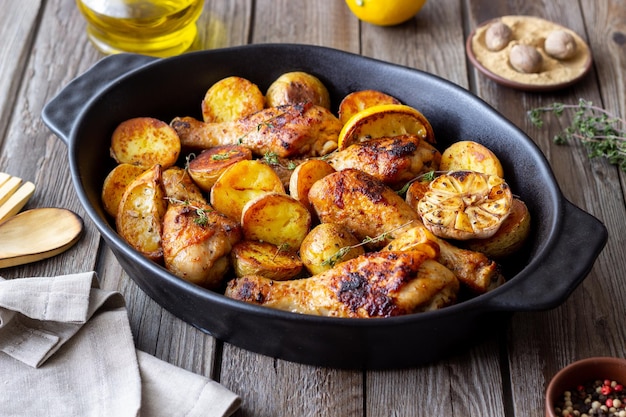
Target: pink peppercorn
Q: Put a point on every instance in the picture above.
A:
(606, 389)
(618, 388)
(609, 402)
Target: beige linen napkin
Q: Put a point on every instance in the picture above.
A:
(66, 349)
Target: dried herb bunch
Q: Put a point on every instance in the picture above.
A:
(603, 134)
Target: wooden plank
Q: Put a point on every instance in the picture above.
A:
(543, 342)
(326, 24)
(430, 42)
(30, 150)
(18, 23)
(218, 29)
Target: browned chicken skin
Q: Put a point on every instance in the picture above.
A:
(378, 284)
(479, 273)
(197, 242)
(287, 131)
(366, 206)
(370, 209)
(394, 161)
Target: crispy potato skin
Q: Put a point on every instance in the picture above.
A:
(115, 184)
(231, 98)
(240, 183)
(297, 87)
(198, 251)
(364, 205)
(320, 248)
(304, 176)
(276, 218)
(379, 284)
(250, 257)
(471, 156)
(394, 161)
(140, 213)
(359, 100)
(509, 238)
(145, 141)
(415, 192)
(287, 131)
(206, 168)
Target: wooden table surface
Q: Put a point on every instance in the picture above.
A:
(44, 47)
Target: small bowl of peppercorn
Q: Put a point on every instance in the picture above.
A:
(590, 387)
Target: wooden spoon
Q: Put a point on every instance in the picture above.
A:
(38, 234)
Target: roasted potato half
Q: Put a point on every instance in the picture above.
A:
(180, 186)
(304, 176)
(206, 168)
(145, 142)
(295, 88)
(115, 184)
(250, 257)
(231, 98)
(359, 100)
(241, 183)
(327, 245)
(276, 218)
(415, 191)
(140, 213)
(468, 155)
(509, 238)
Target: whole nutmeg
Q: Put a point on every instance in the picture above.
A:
(560, 44)
(525, 58)
(497, 36)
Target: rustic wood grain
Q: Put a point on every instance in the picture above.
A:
(541, 343)
(44, 47)
(17, 32)
(30, 151)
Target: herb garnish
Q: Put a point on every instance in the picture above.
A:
(201, 219)
(427, 176)
(603, 134)
(332, 261)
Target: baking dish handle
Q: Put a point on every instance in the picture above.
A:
(60, 113)
(548, 283)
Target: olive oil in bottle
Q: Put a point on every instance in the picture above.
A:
(158, 28)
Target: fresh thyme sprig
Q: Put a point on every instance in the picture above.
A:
(603, 134)
(188, 160)
(283, 247)
(201, 219)
(427, 176)
(271, 158)
(337, 256)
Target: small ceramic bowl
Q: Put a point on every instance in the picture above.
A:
(580, 372)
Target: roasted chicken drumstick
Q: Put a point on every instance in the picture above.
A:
(370, 209)
(378, 284)
(394, 161)
(287, 131)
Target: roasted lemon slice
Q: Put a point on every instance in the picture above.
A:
(465, 205)
(385, 120)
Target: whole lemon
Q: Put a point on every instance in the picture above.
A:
(385, 12)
